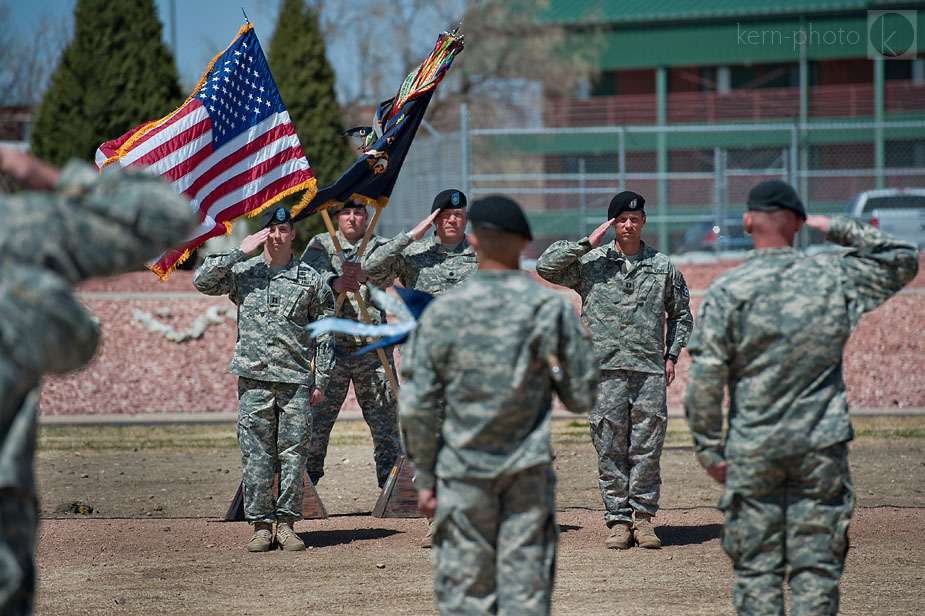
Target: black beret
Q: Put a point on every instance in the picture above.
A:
(352, 203)
(773, 195)
(448, 199)
(625, 201)
(502, 214)
(274, 215)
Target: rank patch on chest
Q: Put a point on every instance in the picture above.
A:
(274, 301)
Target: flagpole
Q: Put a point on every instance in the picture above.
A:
(356, 294)
(366, 237)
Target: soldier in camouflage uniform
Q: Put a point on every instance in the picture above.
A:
(773, 330)
(370, 382)
(488, 475)
(75, 224)
(626, 289)
(282, 372)
(434, 266)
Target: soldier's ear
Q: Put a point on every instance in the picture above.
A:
(747, 222)
(473, 241)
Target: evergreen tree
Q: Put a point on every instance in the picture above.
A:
(306, 83)
(114, 75)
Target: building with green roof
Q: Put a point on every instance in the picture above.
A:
(830, 91)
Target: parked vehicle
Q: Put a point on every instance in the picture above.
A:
(707, 235)
(898, 211)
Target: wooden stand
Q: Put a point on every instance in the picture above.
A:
(399, 497)
(312, 507)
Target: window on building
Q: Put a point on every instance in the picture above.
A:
(897, 69)
(605, 84)
(904, 153)
(765, 76)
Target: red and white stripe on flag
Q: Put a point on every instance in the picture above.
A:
(231, 148)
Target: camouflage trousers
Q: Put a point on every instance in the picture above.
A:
(274, 426)
(788, 518)
(628, 423)
(495, 544)
(19, 516)
(19, 519)
(374, 394)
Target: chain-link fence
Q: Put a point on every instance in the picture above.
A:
(432, 164)
(695, 178)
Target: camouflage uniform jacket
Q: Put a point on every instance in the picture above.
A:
(92, 224)
(624, 301)
(484, 348)
(322, 256)
(273, 309)
(426, 266)
(774, 329)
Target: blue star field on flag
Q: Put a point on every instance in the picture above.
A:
(239, 91)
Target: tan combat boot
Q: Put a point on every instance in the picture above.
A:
(644, 532)
(286, 538)
(262, 540)
(621, 537)
(428, 540)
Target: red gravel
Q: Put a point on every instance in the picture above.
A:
(136, 371)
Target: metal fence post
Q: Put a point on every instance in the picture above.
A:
(717, 184)
(464, 148)
(661, 153)
(582, 203)
(878, 121)
(621, 157)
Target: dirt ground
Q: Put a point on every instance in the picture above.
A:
(154, 543)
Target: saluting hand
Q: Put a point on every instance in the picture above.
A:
(421, 228)
(252, 242)
(819, 223)
(28, 171)
(598, 234)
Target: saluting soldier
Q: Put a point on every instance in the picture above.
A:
(276, 295)
(370, 382)
(636, 304)
(487, 474)
(72, 224)
(774, 329)
(433, 266)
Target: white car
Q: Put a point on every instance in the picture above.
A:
(898, 211)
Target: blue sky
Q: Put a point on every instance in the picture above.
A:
(205, 27)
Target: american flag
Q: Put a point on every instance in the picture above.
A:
(230, 148)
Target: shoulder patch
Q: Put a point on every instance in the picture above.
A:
(316, 245)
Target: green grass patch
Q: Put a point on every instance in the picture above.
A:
(140, 437)
(220, 436)
(570, 431)
(355, 433)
